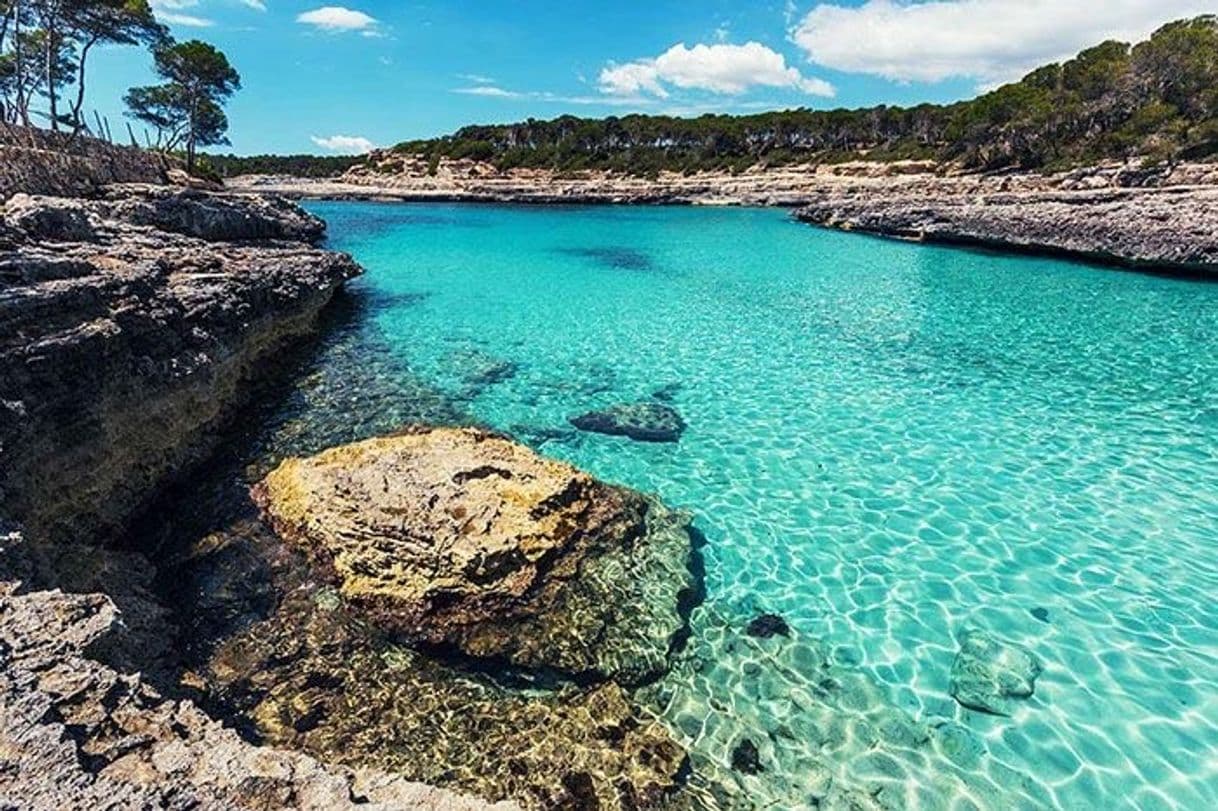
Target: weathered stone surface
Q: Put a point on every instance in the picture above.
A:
(1162, 228)
(645, 422)
(124, 347)
(43, 162)
(463, 538)
(214, 217)
(990, 675)
(75, 733)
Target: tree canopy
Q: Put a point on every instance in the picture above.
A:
(1158, 98)
(187, 109)
(45, 47)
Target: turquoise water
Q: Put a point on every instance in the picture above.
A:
(888, 444)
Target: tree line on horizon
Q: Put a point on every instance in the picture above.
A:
(1156, 99)
(45, 47)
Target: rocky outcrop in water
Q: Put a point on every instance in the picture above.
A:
(76, 733)
(991, 675)
(129, 324)
(463, 539)
(1157, 228)
(644, 422)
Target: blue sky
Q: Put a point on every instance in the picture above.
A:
(341, 74)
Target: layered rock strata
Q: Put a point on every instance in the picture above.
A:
(128, 326)
(43, 162)
(1153, 228)
(463, 539)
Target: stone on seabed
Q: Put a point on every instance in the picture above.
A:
(988, 674)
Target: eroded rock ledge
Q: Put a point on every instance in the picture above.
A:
(464, 539)
(1168, 228)
(128, 325)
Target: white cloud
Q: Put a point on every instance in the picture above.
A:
(338, 18)
(347, 144)
(990, 41)
(172, 12)
(476, 78)
(488, 90)
(721, 68)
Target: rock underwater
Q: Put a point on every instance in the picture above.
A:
(989, 675)
(465, 540)
(645, 422)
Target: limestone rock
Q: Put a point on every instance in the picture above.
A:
(645, 422)
(990, 675)
(1163, 228)
(125, 344)
(463, 538)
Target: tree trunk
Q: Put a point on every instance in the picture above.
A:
(23, 105)
(50, 74)
(190, 137)
(79, 122)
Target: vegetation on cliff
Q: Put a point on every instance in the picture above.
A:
(1158, 98)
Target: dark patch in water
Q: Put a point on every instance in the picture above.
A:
(1041, 614)
(768, 625)
(746, 759)
(668, 392)
(617, 257)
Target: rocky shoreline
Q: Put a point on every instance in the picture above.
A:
(135, 324)
(1122, 214)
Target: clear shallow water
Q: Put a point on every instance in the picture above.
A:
(888, 444)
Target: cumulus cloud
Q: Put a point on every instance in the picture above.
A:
(346, 144)
(720, 68)
(337, 19)
(987, 40)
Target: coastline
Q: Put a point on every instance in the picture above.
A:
(1128, 215)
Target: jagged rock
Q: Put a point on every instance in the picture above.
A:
(214, 217)
(645, 422)
(123, 355)
(463, 538)
(989, 675)
(52, 219)
(77, 734)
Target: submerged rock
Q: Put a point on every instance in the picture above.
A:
(765, 626)
(746, 759)
(989, 675)
(464, 539)
(645, 422)
(315, 678)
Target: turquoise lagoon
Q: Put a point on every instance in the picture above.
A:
(888, 444)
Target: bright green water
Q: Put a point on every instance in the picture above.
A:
(887, 444)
